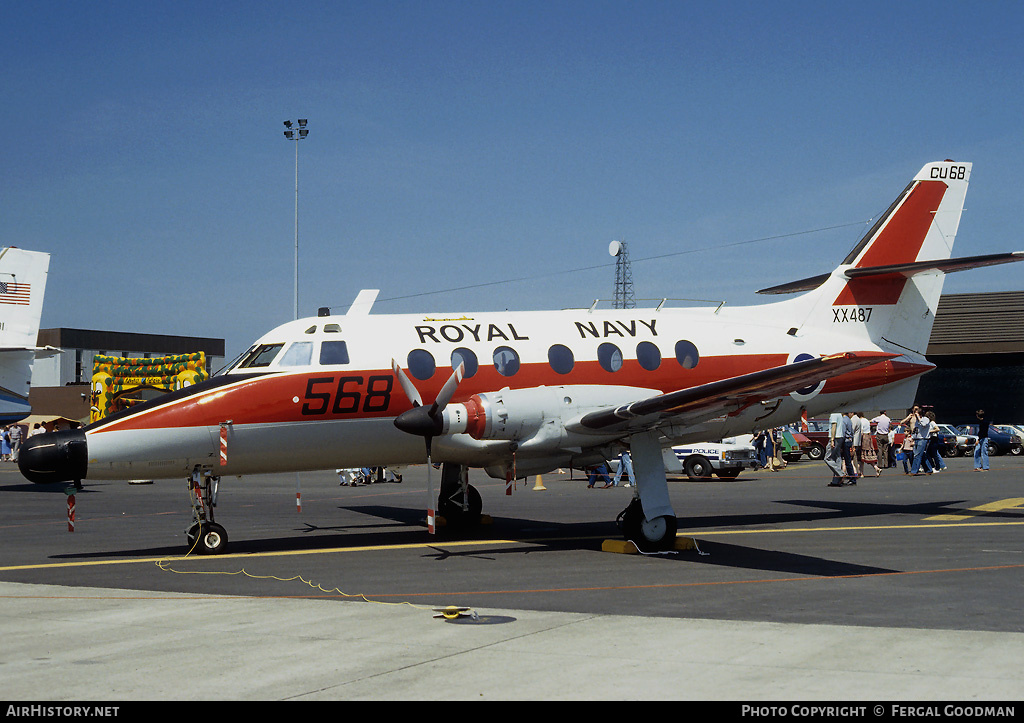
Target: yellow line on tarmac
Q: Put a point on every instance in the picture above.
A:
(1014, 503)
(706, 533)
(481, 543)
(279, 553)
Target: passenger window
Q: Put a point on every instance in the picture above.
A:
(333, 352)
(261, 356)
(610, 357)
(648, 355)
(506, 361)
(421, 364)
(561, 359)
(686, 354)
(468, 359)
(299, 354)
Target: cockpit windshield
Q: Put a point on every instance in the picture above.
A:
(260, 357)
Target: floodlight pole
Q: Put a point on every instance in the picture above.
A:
(296, 135)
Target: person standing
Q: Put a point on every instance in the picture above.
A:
(15, 441)
(907, 448)
(868, 451)
(981, 448)
(761, 448)
(932, 450)
(834, 451)
(919, 425)
(882, 424)
(851, 434)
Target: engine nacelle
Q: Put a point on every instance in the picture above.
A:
(519, 414)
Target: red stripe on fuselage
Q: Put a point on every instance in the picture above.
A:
(898, 243)
(363, 394)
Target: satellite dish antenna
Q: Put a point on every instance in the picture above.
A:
(614, 248)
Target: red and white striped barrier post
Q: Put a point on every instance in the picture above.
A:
(224, 443)
(71, 510)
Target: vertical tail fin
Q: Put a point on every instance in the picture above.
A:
(22, 285)
(887, 289)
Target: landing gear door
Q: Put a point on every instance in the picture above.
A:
(672, 463)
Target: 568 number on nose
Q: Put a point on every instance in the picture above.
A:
(347, 395)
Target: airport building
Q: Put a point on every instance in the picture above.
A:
(60, 384)
(977, 345)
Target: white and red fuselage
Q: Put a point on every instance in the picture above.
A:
(543, 389)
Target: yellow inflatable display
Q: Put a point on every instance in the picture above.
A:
(113, 378)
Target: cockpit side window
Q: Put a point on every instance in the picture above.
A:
(333, 352)
(261, 356)
(299, 354)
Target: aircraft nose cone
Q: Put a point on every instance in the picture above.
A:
(54, 456)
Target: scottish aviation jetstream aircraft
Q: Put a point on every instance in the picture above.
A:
(22, 284)
(534, 391)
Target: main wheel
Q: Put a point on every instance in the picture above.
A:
(697, 466)
(647, 535)
(208, 538)
(455, 516)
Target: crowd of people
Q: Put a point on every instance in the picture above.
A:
(857, 443)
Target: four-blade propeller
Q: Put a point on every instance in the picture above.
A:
(426, 421)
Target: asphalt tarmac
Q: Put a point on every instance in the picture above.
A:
(898, 589)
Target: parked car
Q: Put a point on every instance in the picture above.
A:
(1016, 445)
(795, 445)
(1000, 440)
(962, 447)
(817, 438)
(699, 461)
(1017, 429)
(726, 458)
(947, 441)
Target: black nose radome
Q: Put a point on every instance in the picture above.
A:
(54, 456)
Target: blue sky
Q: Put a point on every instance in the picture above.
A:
(465, 144)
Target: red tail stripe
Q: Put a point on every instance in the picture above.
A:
(898, 243)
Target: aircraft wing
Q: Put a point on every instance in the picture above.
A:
(697, 404)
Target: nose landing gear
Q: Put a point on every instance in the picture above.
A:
(204, 535)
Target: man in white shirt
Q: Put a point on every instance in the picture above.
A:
(882, 424)
(840, 436)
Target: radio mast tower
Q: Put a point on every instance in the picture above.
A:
(624, 297)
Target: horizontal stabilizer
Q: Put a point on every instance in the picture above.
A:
(946, 266)
(41, 352)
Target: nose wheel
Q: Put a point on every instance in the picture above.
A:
(207, 538)
(204, 535)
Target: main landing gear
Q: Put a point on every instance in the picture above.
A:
(649, 521)
(458, 502)
(204, 535)
(654, 535)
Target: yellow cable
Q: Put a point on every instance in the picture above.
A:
(164, 565)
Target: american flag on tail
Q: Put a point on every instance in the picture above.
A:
(12, 292)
